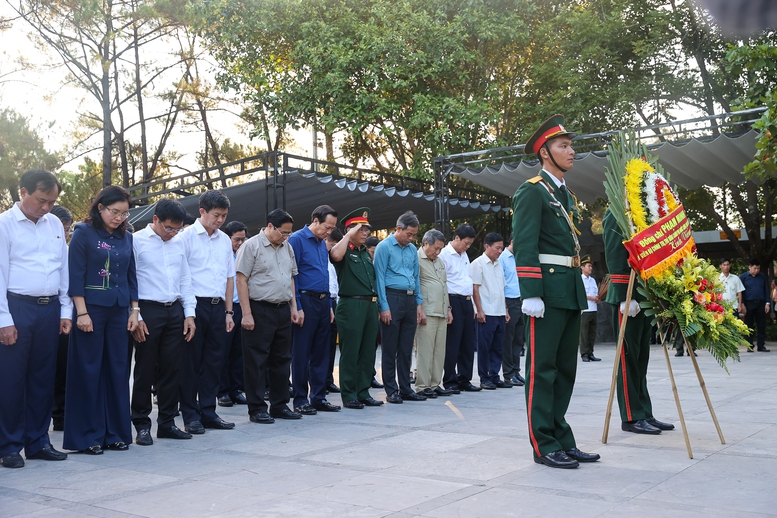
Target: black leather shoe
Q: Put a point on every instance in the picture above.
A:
(428, 393)
(92, 450)
(218, 424)
(455, 389)
(763, 349)
(172, 433)
(326, 406)
(354, 403)
(261, 418)
(239, 398)
(523, 351)
(556, 459)
(395, 399)
(225, 401)
(305, 410)
(334, 389)
(519, 378)
(487, 385)
(376, 384)
(469, 387)
(503, 384)
(12, 460)
(594, 358)
(442, 392)
(58, 425)
(286, 414)
(641, 426)
(581, 456)
(658, 424)
(517, 382)
(48, 453)
(117, 446)
(195, 428)
(413, 397)
(585, 358)
(679, 353)
(370, 402)
(144, 438)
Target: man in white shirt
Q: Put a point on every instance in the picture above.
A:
(460, 338)
(588, 317)
(34, 310)
(166, 321)
(732, 285)
(488, 292)
(212, 268)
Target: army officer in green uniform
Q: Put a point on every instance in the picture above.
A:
(633, 398)
(548, 264)
(357, 311)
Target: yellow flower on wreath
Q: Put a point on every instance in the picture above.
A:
(634, 180)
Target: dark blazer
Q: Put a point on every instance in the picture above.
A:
(102, 267)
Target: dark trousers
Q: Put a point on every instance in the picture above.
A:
(514, 340)
(332, 346)
(27, 377)
(158, 361)
(357, 321)
(310, 351)
(588, 323)
(202, 360)
(267, 355)
(60, 379)
(755, 318)
(231, 380)
(97, 397)
(397, 342)
(633, 397)
(459, 344)
(491, 335)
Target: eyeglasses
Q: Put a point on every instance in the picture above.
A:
(118, 213)
(238, 239)
(366, 230)
(170, 230)
(283, 234)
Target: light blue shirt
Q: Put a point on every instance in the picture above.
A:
(396, 267)
(512, 287)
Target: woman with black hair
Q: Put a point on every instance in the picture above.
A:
(104, 289)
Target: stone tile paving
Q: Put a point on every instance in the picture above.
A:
(467, 455)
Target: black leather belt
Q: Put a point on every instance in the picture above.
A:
(314, 294)
(271, 304)
(465, 297)
(210, 300)
(361, 297)
(156, 303)
(401, 292)
(36, 300)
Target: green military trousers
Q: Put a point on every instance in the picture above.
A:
(633, 397)
(357, 325)
(551, 367)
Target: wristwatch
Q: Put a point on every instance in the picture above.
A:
(230, 312)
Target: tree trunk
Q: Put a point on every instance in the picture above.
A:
(105, 83)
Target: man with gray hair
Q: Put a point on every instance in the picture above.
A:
(399, 303)
(432, 330)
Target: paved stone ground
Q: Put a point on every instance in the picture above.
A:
(467, 455)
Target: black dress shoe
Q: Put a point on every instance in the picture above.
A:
(442, 392)
(12, 460)
(519, 378)
(92, 450)
(594, 358)
(305, 410)
(370, 402)
(48, 453)
(58, 425)
(679, 353)
(376, 384)
(486, 385)
(326, 406)
(195, 428)
(334, 389)
(144, 438)
(239, 398)
(395, 399)
(641, 426)
(658, 424)
(469, 387)
(225, 401)
(218, 424)
(517, 382)
(261, 418)
(354, 403)
(763, 349)
(172, 432)
(503, 384)
(286, 414)
(523, 351)
(585, 358)
(455, 389)
(428, 393)
(117, 446)
(556, 459)
(413, 397)
(581, 456)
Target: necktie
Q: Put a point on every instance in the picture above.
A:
(563, 196)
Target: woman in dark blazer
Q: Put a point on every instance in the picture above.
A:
(104, 289)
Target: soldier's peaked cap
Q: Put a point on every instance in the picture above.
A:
(359, 215)
(550, 129)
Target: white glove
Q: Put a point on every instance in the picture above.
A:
(633, 308)
(533, 307)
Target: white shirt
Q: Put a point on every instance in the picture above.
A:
(490, 278)
(457, 271)
(732, 285)
(162, 269)
(590, 291)
(211, 261)
(558, 182)
(33, 260)
(334, 287)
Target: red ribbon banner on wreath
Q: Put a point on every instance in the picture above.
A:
(661, 245)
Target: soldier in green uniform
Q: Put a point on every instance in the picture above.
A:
(633, 398)
(548, 264)
(357, 310)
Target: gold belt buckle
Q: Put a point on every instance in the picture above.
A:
(374, 299)
(576, 261)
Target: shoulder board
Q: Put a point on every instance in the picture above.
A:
(536, 179)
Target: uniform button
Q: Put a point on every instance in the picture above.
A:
(551, 270)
